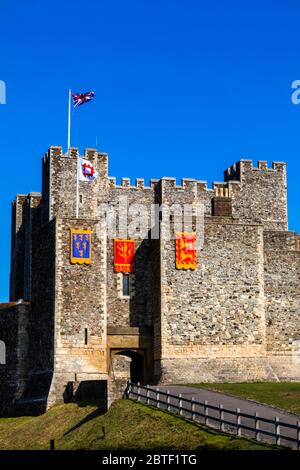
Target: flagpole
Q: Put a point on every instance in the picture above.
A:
(77, 188)
(78, 99)
(69, 121)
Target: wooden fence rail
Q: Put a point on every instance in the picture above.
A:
(218, 417)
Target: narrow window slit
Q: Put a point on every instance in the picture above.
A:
(126, 285)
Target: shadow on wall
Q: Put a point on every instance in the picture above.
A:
(2, 353)
(145, 308)
(87, 391)
(140, 302)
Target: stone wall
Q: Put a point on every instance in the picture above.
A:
(217, 310)
(80, 311)
(119, 377)
(41, 319)
(26, 220)
(261, 195)
(134, 310)
(17, 249)
(235, 318)
(32, 213)
(59, 183)
(14, 331)
(258, 195)
(282, 300)
(42, 316)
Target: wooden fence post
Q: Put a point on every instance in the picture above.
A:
(180, 404)
(193, 404)
(128, 389)
(206, 412)
(238, 422)
(257, 434)
(277, 431)
(138, 391)
(193, 409)
(168, 401)
(157, 397)
(221, 418)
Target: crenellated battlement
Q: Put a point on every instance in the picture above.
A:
(191, 184)
(219, 189)
(126, 183)
(257, 193)
(27, 198)
(53, 151)
(91, 154)
(238, 170)
(100, 159)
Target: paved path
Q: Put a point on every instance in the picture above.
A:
(231, 402)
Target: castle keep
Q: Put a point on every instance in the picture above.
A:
(236, 317)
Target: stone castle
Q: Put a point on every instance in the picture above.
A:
(83, 327)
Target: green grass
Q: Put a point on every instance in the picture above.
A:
(127, 425)
(285, 395)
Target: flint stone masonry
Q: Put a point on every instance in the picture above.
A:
(198, 303)
(14, 328)
(234, 318)
(282, 292)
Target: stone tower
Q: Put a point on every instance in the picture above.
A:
(84, 328)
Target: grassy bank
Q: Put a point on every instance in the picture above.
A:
(127, 425)
(285, 395)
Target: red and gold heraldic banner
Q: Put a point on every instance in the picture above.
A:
(186, 253)
(123, 256)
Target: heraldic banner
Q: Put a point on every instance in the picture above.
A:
(81, 246)
(186, 254)
(123, 256)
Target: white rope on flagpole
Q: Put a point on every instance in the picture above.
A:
(77, 188)
(77, 160)
(69, 121)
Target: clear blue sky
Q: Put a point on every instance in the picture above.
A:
(184, 88)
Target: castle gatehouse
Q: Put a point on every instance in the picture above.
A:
(92, 305)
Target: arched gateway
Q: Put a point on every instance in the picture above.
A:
(130, 357)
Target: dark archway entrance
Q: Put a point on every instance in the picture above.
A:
(137, 364)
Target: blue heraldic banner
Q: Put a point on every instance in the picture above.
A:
(81, 246)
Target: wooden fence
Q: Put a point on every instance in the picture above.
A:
(233, 421)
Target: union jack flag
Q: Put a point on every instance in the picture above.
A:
(80, 98)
